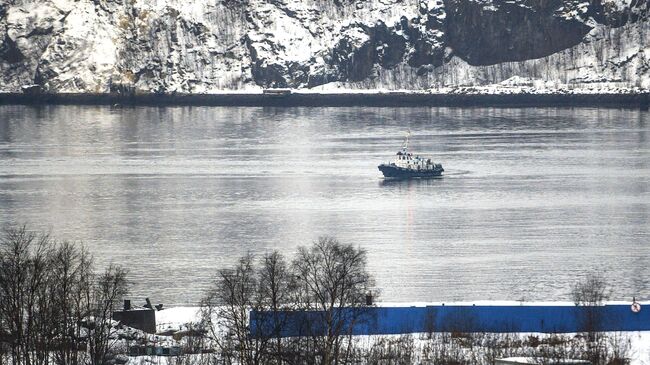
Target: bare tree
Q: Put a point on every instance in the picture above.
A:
(245, 288)
(23, 281)
(328, 279)
(70, 273)
(111, 286)
(276, 290)
(590, 293)
(332, 281)
(592, 290)
(46, 293)
(236, 293)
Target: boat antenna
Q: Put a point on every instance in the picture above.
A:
(406, 141)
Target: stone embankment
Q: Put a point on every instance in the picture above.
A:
(385, 99)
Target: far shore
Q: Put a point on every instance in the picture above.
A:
(280, 97)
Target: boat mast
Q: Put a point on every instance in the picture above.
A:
(405, 145)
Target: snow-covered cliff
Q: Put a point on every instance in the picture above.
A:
(206, 46)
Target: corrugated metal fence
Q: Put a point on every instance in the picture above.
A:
(441, 318)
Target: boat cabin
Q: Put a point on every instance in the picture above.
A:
(406, 160)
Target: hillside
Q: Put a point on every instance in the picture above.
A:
(208, 46)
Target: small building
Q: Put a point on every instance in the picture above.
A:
(537, 361)
(276, 92)
(142, 318)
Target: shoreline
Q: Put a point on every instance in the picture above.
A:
(331, 99)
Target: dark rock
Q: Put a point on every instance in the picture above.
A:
(609, 14)
(509, 31)
(427, 36)
(235, 3)
(354, 55)
(40, 31)
(279, 75)
(44, 73)
(426, 50)
(362, 47)
(322, 75)
(391, 46)
(404, 22)
(10, 52)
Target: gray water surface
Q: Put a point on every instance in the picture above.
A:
(532, 198)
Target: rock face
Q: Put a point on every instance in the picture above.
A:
(480, 34)
(206, 46)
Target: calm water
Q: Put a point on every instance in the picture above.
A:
(532, 199)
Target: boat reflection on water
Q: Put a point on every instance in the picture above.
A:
(409, 182)
(423, 182)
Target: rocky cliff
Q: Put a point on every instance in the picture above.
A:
(207, 46)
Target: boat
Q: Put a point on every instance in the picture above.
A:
(408, 166)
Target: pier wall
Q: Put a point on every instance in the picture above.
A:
(388, 99)
(495, 319)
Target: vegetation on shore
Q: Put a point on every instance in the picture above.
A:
(55, 308)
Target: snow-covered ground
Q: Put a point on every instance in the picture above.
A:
(495, 89)
(179, 318)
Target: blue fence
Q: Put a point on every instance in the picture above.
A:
(497, 319)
